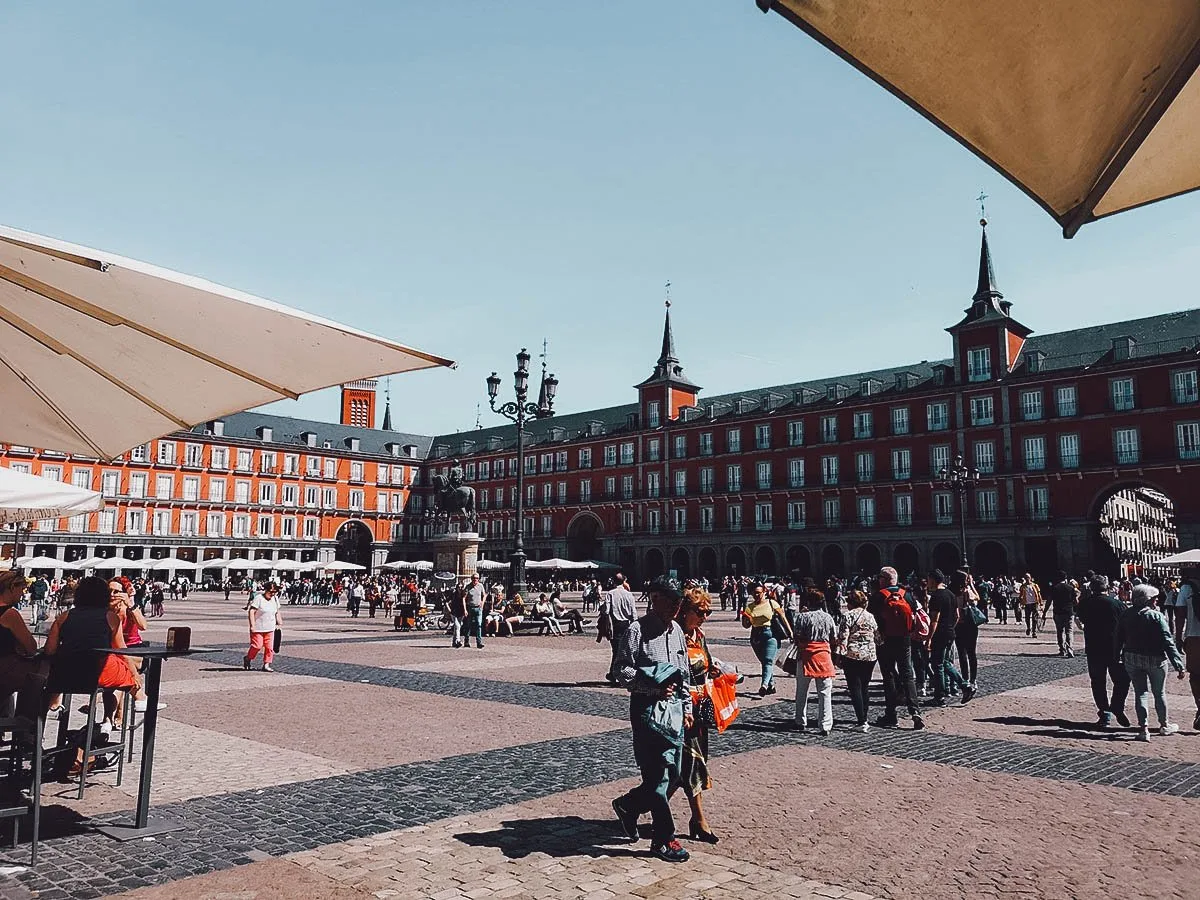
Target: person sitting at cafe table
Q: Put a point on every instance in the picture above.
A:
(17, 645)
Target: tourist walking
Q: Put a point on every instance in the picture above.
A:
(620, 606)
(893, 613)
(1145, 643)
(1030, 596)
(694, 776)
(1063, 597)
(768, 627)
(265, 618)
(457, 608)
(652, 664)
(475, 595)
(966, 631)
(857, 643)
(943, 618)
(815, 632)
(1100, 613)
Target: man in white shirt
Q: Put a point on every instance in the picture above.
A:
(621, 607)
(264, 618)
(1186, 603)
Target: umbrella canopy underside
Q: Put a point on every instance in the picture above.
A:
(99, 353)
(1090, 106)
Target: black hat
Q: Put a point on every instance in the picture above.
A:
(664, 584)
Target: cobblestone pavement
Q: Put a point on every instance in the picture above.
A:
(376, 764)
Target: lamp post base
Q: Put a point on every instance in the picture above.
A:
(516, 573)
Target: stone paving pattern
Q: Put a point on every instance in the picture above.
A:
(384, 764)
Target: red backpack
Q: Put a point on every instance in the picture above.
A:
(897, 613)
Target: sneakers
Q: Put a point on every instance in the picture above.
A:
(246, 663)
(864, 727)
(267, 667)
(1169, 728)
(626, 819)
(1105, 719)
(1196, 722)
(672, 851)
(967, 694)
(1122, 719)
(918, 723)
(1070, 653)
(456, 644)
(1143, 734)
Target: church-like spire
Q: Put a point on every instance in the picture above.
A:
(668, 342)
(985, 289)
(668, 368)
(387, 406)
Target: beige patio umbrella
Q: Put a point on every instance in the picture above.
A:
(1091, 107)
(99, 353)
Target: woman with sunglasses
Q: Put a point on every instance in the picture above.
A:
(768, 627)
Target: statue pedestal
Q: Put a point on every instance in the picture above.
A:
(456, 552)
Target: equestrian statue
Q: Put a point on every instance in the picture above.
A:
(453, 498)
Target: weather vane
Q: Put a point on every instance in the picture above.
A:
(668, 288)
(982, 209)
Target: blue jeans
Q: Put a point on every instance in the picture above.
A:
(766, 648)
(475, 626)
(945, 674)
(1148, 676)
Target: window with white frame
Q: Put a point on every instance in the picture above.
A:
(864, 424)
(1031, 405)
(1068, 451)
(627, 486)
(762, 436)
(135, 521)
(189, 524)
(653, 520)
(795, 433)
(110, 483)
(653, 484)
(287, 527)
(547, 494)
(356, 471)
(610, 455)
(266, 492)
(484, 496)
(833, 512)
(163, 487)
(585, 490)
(54, 473)
(763, 517)
(733, 478)
(291, 464)
(653, 414)
(797, 514)
(829, 429)
(706, 443)
(1065, 400)
(1184, 388)
(943, 507)
(241, 492)
(627, 520)
(312, 466)
(241, 526)
(77, 524)
(191, 488)
(829, 470)
(627, 453)
(219, 458)
(902, 506)
(1187, 439)
(216, 490)
(733, 516)
(653, 450)
(140, 453)
(985, 456)
(82, 478)
(733, 440)
(796, 472)
(530, 494)
(381, 502)
(310, 529)
(866, 511)
(137, 484)
(706, 518)
(312, 496)
(1121, 392)
(680, 483)
(166, 453)
(937, 416)
(680, 444)
(585, 459)
(1037, 503)
(330, 467)
(1035, 453)
(245, 460)
(289, 494)
(899, 420)
(987, 505)
(485, 471)
(680, 519)
(864, 466)
(266, 526)
(214, 524)
(329, 498)
(547, 526)
(107, 523)
(902, 464)
(706, 480)
(610, 487)
(982, 412)
(266, 462)
(1125, 442)
(547, 462)
(762, 471)
(561, 489)
(162, 521)
(979, 364)
(939, 458)
(356, 500)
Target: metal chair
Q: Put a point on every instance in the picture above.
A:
(25, 729)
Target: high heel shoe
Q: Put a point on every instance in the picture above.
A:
(699, 834)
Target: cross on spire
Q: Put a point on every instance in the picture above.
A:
(982, 209)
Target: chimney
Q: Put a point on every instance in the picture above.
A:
(358, 403)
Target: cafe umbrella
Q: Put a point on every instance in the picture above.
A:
(1091, 107)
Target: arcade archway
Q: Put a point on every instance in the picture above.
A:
(906, 560)
(867, 559)
(653, 564)
(1133, 526)
(765, 561)
(583, 537)
(681, 563)
(706, 564)
(833, 560)
(735, 561)
(946, 557)
(354, 543)
(991, 558)
(799, 561)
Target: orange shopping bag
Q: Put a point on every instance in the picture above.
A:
(724, 699)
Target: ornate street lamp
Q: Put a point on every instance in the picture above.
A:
(518, 411)
(960, 478)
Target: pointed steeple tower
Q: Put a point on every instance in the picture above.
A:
(988, 340)
(387, 406)
(667, 389)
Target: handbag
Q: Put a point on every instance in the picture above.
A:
(787, 662)
(778, 630)
(722, 700)
(978, 616)
(666, 718)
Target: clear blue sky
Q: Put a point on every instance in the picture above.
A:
(519, 170)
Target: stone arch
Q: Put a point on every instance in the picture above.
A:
(833, 560)
(706, 565)
(867, 559)
(653, 564)
(681, 562)
(354, 543)
(906, 560)
(1133, 521)
(735, 561)
(991, 558)
(765, 561)
(946, 557)
(583, 536)
(798, 561)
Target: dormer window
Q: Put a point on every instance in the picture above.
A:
(217, 427)
(351, 443)
(410, 450)
(309, 438)
(263, 432)
(1123, 348)
(1034, 360)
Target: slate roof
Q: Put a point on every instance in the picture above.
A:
(286, 431)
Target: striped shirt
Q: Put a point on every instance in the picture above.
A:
(646, 644)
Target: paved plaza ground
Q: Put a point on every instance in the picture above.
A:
(386, 765)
